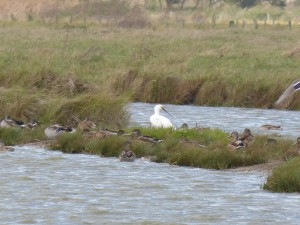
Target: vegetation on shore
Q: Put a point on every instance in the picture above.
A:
(247, 68)
(62, 71)
(285, 178)
(205, 148)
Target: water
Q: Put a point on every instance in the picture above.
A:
(48, 187)
(225, 118)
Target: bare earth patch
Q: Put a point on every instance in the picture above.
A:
(265, 167)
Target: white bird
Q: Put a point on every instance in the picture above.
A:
(160, 121)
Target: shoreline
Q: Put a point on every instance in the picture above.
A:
(264, 167)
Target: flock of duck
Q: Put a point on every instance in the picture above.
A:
(156, 120)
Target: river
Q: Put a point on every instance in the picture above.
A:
(225, 118)
(48, 187)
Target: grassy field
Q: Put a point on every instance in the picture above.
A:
(229, 67)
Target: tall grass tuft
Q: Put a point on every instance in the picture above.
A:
(70, 143)
(10, 136)
(21, 103)
(285, 178)
(106, 111)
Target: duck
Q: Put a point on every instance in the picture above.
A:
(246, 136)
(127, 155)
(8, 122)
(55, 130)
(236, 143)
(136, 134)
(32, 124)
(271, 127)
(159, 121)
(86, 125)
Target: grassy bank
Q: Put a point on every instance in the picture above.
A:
(206, 148)
(229, 67)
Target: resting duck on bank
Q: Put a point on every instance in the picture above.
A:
(55, 130)
(86, 125)
(127, 155)
(246, 137)
(32, 124)
(136, 133)
(236, 143)
(8, 122)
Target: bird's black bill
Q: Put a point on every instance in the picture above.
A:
(168, 113)
(296, 86)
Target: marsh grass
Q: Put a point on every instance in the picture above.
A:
(106, 111)
(176, 150)
(285, 178)
(215, 67)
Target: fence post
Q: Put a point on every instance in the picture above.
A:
(231, 24)
(290, 25)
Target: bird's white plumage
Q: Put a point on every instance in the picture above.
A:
(160, 121)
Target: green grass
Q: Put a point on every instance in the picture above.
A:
(206, 148)
(249, 68)
(285, 178)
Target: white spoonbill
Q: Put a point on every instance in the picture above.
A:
(158, 120)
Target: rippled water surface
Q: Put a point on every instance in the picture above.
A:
(48, 187)
(225, 118)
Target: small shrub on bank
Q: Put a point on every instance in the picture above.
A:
(285, 178)
(70, 143)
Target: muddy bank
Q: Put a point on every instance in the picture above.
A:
(265, 167)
